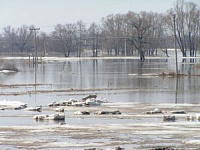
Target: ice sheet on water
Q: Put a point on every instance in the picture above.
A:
(7, 71)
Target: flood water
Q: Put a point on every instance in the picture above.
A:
(129, 85)
(118, 80)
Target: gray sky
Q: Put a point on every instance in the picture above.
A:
(47, 13)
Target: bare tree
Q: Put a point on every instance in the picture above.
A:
(43, 43)
(192, 22)
(67, 34)
(138, 35)
(113, 27)
(158, 34)
(94, 37)
(82, 34)
(187, 25)
(18, 38)
(10, 37)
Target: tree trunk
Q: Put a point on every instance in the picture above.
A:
(142, 57)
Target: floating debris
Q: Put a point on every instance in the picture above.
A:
(82, 113)
(178, 112)
(62, 123)
(90, 100)
(171, 74)
(60, 110)
(115, 112)
(169, 118)
(93, 149)
(53, 104)
(198, 117)
(39, 108)
(89, 97)
(163, 148)
(116, 148)
(155, 111)
(9, 70)
(78, 104)
(190, 118)
(58, 116)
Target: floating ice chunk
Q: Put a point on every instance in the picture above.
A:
(82, 113)
(78, 104)
(9, 70)
(33, 108)
(155, 111)
(60, 116)
(169, 118)
(178, 112)
(53, 104)
(60, 109)
(116, 148)
(115, 112)
(198, 116)
(101, 100)
(12, 104)
(92, 102)
(89, 97)
(193, 142)
(190, 118)
(70, 102)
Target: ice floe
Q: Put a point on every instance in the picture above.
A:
(6, 104)
(90, 100)
(57, 116)
(38, 108)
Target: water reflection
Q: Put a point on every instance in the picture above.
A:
(35, 92)
(176, 95)
(109, 78)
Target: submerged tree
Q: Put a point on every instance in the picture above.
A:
(187, 26)
(113, 26)
(138, 35)
(94, 38)
(82, 34)
(67, 34)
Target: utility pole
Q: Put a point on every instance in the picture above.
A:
(80, 30)
(93, 40)
(174, 20)
(125, 40)
(35, 29)
(36, 59)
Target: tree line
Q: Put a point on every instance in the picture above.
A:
(143, 33)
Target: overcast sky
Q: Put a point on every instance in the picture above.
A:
(47, 13)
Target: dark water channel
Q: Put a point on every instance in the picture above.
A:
(118, 80)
